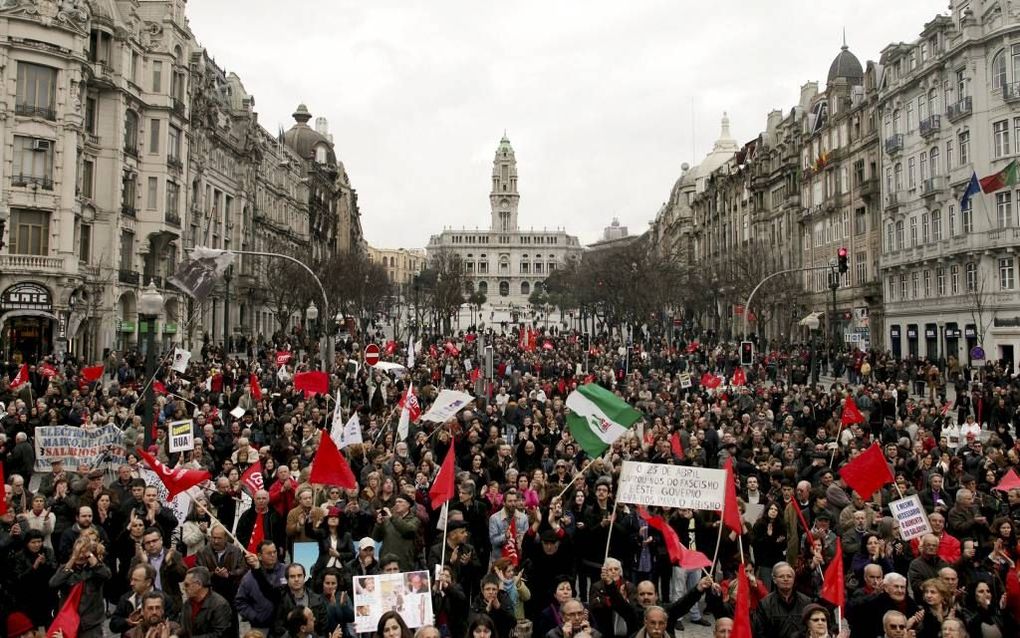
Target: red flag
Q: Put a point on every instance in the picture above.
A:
(1008, 482)
(731, 509)
(476, 374)
(411, 400)
(47, 370)
(470, 337)
(391, 347)
(548, 345)
(739, 377)
(742, 612)
(509, 550)
(433, 351)
(867, 472)
(678, 554)
(710, 381)
(92, 373)
(258, 533)
(256, 389)
(68, 619)
(803, 521)
(3, 491)
(676, 445)
(283, 357)
(692, 346)
(442, 487)
(851, 414)
(451, 349)
(21, 378)
(312, 382)
(330, 467)
(833, 587)
(176, 480)
(158, 387)
(532, 340)
(252, 478)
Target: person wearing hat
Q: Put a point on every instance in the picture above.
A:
(31, 568)
(47, 486)
(457, 534)
(365, 563)
(398, 530)
(19, 625)
(334, 541)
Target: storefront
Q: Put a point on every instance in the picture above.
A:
(953, 334)
(28, 320)
(894, 342)
(931, 341)
(913, 351)
(970, 336)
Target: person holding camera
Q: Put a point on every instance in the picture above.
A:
(398, 530)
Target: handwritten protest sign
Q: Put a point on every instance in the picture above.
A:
(95, 447)
(672, 486)
(910, 514)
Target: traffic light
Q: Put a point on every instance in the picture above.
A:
(842, 261)
(746, 353)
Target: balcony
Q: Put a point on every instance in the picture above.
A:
(933, 186)
(174, 163)
(177, 106)
(870, 187)
(931, 125)
(155, 279)
(892, 201)
(31, 263)
(792, 201)
(962, 108)
(128, 277)
(44, 183)
(1011, 92)
(129, 211)
(173, 219)
(30, 110)
(131, 149)
(998, 239)
(894, 143)
(92, 140)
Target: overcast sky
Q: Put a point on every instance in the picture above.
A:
(602, 101)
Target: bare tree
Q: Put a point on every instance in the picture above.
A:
(980, 299)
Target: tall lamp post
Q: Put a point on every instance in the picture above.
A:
(150, 304)
(312, 314)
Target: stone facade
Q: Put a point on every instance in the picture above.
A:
(401, 264)
(506, 262)
(125, 146)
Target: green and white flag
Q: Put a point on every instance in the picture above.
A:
(598, 417)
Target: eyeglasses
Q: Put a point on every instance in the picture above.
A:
(897, 626)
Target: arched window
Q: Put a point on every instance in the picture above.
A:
(504, 289)
(483, 287)
(924, 166)
(131, 132)
(469, 286)
(999, 70)
(321, 154)
(896, 121)
(525, 288)
(933, 161)
(933, 102)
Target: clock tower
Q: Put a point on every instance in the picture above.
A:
(504, 197)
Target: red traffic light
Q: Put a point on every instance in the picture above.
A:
(842, 252)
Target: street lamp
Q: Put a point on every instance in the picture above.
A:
(312, 313)
(150, 304)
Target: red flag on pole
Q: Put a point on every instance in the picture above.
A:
(509, 550)
(258, 533)
(330, 467)
(710, 381)
(92, 373)
(21, 378)
(47, 370)
(742, 612)
(283, 357)
(739, 377)
(803, 521)
(312, 382)
(256, 389)
(731, 509)
(68, 619)
(678, 554)
(451, 349)
(159, 388)
(252, 478)
(851, 414)
(442, 487)
(867, 472)
(1008, 482)
(3, 491)
(176, 480)
(833, 587)
(676, 445)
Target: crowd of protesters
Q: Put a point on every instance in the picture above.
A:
(534, 542)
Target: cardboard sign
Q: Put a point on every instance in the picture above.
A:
(910, 514)
(685, 380)
(182, 436)
(409, 594)
(696, 488)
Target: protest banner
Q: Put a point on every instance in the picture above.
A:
(94, 447)
(685, 380)
(409, 594)
(671, 486)
(446, 406)
(912, 518)
(182, 436)
(181, 503)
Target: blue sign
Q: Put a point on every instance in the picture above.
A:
(977, 353)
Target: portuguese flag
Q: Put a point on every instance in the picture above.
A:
(1008, 176)
(598, 417)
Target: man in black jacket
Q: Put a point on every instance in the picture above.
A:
(124, 615)
(206, 614)
(296, 594)
(779, 613)
(273, 527)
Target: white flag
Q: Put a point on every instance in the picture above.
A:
(349, 434)
(197, 275)
(447, 405)
(181, 359)
(410, 356)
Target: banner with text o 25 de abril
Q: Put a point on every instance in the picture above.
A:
(697, 488)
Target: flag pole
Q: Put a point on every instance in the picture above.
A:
(446, 526)
(609, 535)
(718, 541)
(579, 473)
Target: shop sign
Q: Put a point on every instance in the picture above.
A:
(26, 296)
(895, 333)
(127, 326)
(930, 333)
(970, 332)
(1006, 322)
(911, 334)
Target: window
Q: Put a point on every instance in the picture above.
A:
(926, 283)
(504, 289)
(525, 288)
(85, 243)
(892, 288)
(898, 170)
(954, 279)
(33, 162)
(933, 161)
(860, 221)
(861, 268)
(949, 155)
(933, 102)
(999, 70)
(1016, 133)
(903, 286)
(971, 270)
(914, 280)
(87, 177)
(129, 191)
(910, 117)
(483, 287)
(30, 232)
(153, 136)
(936, 225)
(525, 268)
(173, 148)
(152, 193)
(91, 112)
(967, 217)
(1006, 276)
(961, 85)
(924, 228)
(940, 281)
(924, 166)
(321, 154)
(157, 76)
(890, 244)
(899, 235)
(952, 220)
(134, 66)
(127, 250)
(173, 196)
(131, 132)
(964, 139)
(36, 91)
(1003, 209)
(911, 180)
(913, 231)
(1000, 138)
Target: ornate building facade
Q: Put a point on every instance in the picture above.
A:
(125, 146)
(506, 262)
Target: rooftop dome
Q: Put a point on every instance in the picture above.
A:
(723, 149)
(303, 139)
(846, 65)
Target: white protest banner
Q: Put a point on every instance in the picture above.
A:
(408, 594)
(181, 359)
(389, 366)
(912, 518)
(95, 447)
(447, 405)
(181, 503)
(182, 436)
(671, 486)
